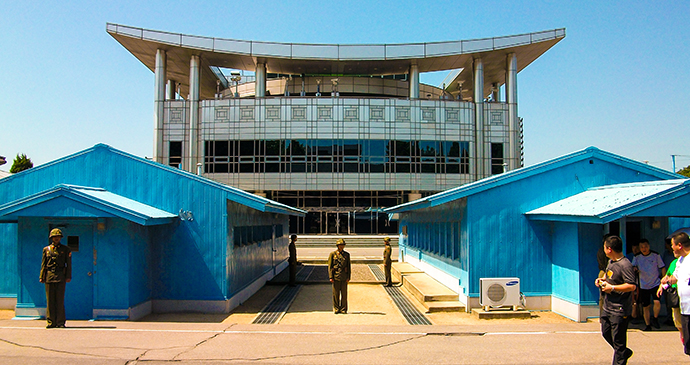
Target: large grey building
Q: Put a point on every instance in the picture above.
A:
(341, 131)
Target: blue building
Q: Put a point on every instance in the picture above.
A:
(542, 224)
(145, 237)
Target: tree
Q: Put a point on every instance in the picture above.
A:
(685, 172)
(21, 163)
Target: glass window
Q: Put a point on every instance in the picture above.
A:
(496, 158)
(324, 147)
(175, 153)
(351, 147)
(428, 148)
(246, 148)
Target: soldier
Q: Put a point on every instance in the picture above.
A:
(56, 271)
(292, 261)
(387, 261)
(339, 273)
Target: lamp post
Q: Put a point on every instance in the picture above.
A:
(236, 78)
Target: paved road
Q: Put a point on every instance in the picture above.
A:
(27, 342)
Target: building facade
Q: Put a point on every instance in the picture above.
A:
(341, 131)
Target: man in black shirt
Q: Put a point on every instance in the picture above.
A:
(617, 286)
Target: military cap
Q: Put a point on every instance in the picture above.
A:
(55, 232)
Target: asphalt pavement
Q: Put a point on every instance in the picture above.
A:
(372, 332)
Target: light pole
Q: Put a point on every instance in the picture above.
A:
(236, 78)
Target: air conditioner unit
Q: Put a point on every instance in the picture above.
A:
(499, 292)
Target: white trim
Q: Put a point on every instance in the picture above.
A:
(451, 282)
(8, 303)
(32, 312)
(137, 312)
(576, 312)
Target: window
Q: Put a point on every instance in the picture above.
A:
(175, 154)
(73, 243)
(496, 158)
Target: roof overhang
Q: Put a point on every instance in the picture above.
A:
(66, 201)
(669, 198)
(331, 59)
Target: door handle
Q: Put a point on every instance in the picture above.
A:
(88, 273)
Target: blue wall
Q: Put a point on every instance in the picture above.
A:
(438, 236)
(566, 262)
(253, 256)
(590, 239)
(9, 276)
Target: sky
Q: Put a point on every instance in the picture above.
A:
(619, 80)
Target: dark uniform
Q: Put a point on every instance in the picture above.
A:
(56, 270)
(617, 309)
(292, 261)
(387, 261)
(339, 271)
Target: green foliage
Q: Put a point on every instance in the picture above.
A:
(21, 163)
(685, 172)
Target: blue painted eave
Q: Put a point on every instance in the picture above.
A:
(110, 204)
(608, 203)
(525, 172)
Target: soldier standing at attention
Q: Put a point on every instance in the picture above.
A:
(387, 261)
(292, 261)
(56, 272)
(339, 271)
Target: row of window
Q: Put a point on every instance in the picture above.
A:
(327, 155)
(249, 235)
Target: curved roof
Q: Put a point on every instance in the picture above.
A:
(330, 59)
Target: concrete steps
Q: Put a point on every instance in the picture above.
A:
(359, 240)
(431, 294)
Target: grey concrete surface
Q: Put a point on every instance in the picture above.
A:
(373, 332)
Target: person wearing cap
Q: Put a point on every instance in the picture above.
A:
(56, 272)
(387, 261)
(339, 271)
(292, 260)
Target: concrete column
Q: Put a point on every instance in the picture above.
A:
(159, 105)
(171, 90)
(260, 84)
(194, 89)
(414, 81)
(513, 122)
(480, 145)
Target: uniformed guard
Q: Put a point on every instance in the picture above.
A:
(339, 271)
(56, 272)
(387, 261)
(292, 260)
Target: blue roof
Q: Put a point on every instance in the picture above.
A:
(525, 172)
(608, 203)
(234, 194)
(106, 202)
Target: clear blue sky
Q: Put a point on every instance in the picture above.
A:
(618, 81)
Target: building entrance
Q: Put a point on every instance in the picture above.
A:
(341, 212)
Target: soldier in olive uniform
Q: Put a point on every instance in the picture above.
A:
(387, 261)
(56, 272)
(292, 260)
(339, 271)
